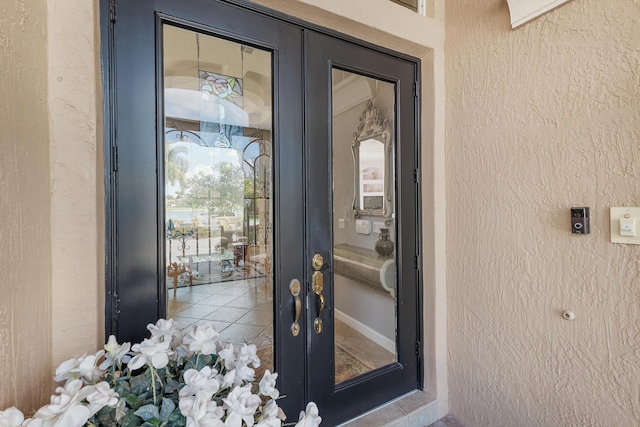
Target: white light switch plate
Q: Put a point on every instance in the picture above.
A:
(363, 226)
(377, 225)
(624, 213)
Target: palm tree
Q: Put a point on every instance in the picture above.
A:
(177, 165)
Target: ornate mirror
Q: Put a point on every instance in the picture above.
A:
(371, 149)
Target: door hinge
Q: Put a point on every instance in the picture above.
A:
(114, 158)
(419, 350)
(112, 10)
(415, 89)
(416, 262)
(416, 176)
(116, 304)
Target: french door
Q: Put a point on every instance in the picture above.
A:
(261, 176)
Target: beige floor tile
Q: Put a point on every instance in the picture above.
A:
(239, 334)
(197, 311)
(218, 300)
(233, 291)
(218, 325)
(257, 318)
(227, 314)
(265, 306)
(247, 301)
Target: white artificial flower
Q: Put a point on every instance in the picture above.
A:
(268, 385)
(66, 409)
(101, 396)
(228, 379)
(309, 418)
(167, 328)
(270, 415)
(228, 356)
(63, 371)
(182, 352)
(201, 411)
(116, 354)
(82, 367)
(11, 417)
(202, 338)
(194, 407)
(163, 327)
(153, 351)
(243, 374)
(241, 405)
(248, 355)
(202, 380)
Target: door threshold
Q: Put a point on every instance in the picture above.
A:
(411, 410)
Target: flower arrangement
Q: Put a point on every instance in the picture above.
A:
(174, 378)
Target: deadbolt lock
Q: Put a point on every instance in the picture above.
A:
(317, 262)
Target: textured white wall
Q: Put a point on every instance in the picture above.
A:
(540, 119)
(51, 168)
(25, 239)
(77, 178)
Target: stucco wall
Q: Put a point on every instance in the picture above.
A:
(540, 119)
(77, 178)
(52, 286)
(25, 240)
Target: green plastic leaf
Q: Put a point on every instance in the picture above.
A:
(153, 422)
(106, 416)
(176, 419)
(122, 388)
(140, 384)
(171, 386)
(133, 401)
(130, 420)
(148, 412)
(167, 409)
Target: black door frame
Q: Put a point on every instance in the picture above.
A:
(111, 17)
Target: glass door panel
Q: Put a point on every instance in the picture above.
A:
(217, 192)
(363, 224)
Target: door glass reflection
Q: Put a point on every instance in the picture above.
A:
(217, 167)
(363, 224)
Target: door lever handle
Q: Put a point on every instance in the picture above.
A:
(294, 289)
(318, 287)
(317, 324)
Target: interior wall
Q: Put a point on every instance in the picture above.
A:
(540, 119)
(25, 305)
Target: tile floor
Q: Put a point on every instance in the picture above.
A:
(242, 311)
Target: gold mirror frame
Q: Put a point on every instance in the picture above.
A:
(372, 126)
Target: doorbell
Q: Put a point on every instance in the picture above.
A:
(580, 220)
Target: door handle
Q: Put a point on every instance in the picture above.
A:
(294, 289)
(317, 281)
